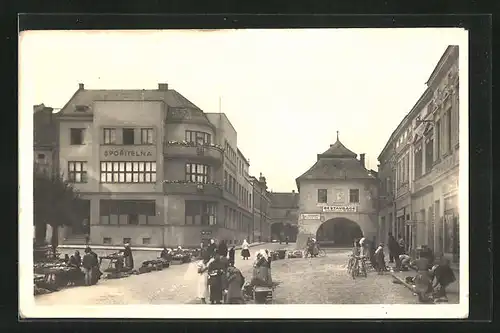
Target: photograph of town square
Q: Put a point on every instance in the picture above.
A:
(256, 189)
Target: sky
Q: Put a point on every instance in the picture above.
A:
(286, 92)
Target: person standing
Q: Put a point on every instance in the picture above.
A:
(235, 281)
(245, 252)
(88, 264)
(231, 253)
(380, 259)
(203, 291)
(216, 278)
(222, 248)
(129, 259)
(393, 247)
(212, 247)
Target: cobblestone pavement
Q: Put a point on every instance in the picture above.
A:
(173, 285)
(325, 281)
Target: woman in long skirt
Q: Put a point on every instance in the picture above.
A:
(216, 276)
(203, 291)
(245, 252)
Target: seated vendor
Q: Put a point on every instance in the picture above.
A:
(405, 261)
(261, 272)
(165, 254)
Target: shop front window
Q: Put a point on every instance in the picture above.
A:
(127, 212)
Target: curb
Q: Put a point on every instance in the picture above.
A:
(155, 249)
(403, 282)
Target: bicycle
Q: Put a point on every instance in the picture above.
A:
(358, 267)
(321, 253)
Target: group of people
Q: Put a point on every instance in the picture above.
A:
(89, 264)
(220, 280)
(367, 249)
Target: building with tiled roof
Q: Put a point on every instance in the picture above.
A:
(155, 169)
(337, 198)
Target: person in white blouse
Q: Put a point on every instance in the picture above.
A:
(245, 252)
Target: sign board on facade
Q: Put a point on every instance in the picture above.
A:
(128, 153)
(340, 209)
(310, 216)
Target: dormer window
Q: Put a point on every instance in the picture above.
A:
(81, 108)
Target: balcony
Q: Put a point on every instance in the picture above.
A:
(185, 187)
(182, 149)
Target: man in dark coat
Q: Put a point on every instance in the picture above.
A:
(231, 252)
(393, 248)
(211, 249)
(222, 249)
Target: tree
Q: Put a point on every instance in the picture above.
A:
(56, 203)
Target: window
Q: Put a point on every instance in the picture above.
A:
(200, 212)
(200, 138)
(128, 136)
(41, 156)
(226, 181)
(126, 240)
(448, 130)
(146, 136)
(109, 136)
(429, 153)
(197, 173)
(76, 136)
(418, 161)
(106, 240)
(322, 195)
(127, 212)
(438, 140)
(353, 196)
(128, 172)
(77, 172)
(146, 241)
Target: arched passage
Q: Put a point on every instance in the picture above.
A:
(338, 232)
(283, 230)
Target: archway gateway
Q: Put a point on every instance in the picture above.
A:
(338, 232)
(283, 230)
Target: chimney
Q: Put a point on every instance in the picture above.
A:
(163, 86)
(81, 86)
(362, 160)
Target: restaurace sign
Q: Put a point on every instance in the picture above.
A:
(340, 209)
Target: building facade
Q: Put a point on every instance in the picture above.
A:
(261, 210)
(337, 198)
(429, 136)
(284, 215)
(156, 169)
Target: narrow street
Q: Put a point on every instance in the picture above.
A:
(301, 281)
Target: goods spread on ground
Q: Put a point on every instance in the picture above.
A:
(181, 256)
(113, 266)
(295, 254)
(51, 276)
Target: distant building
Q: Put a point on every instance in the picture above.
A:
(45, 145)
(337, 198)
(284, 215)
(420, 163)
(155, 169)
(261, 209)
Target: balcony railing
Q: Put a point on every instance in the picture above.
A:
(180, 149)
(185, 187)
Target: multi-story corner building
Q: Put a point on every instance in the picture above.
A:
(45, 129)
(431, 217)
(155, 169)
(337, 198)
(261, 209)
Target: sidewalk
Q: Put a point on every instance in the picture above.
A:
(453, 290)
(104, 247)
